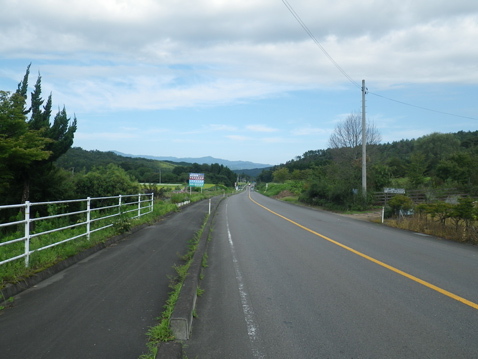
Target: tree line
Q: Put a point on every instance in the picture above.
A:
(38, 163)
(78, 161)
(332, 177)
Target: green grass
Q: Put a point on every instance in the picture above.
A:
(8, 302)
(294, 199)
(274, 189)
(162, 331)
(204, 261)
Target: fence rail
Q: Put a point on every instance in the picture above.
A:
(93, 214)
(422, 196)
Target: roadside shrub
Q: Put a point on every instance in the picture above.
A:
(400, 202)
(464, 211)
(452, 221)
(106, 181)
(316, 193)
(388, 212)
(179, 197)
(159, 192)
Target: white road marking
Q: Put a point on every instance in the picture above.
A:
(246, 306)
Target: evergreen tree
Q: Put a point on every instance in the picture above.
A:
(58, 136)
(19, 145)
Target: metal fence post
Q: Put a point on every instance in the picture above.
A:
(139, 205)
(152, 202)
(88, 217)
(119, 205)
(27, 233)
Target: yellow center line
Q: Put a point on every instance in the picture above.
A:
(409, 276)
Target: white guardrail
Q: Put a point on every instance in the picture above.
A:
(96, 209)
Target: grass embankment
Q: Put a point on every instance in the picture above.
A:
(288, 192)
(15, 271)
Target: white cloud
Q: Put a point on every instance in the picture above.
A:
(260, 128)
(144, 54)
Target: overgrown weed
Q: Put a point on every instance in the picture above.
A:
(426, 225)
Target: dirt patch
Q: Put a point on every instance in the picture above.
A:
(284, 194)
(371, 216)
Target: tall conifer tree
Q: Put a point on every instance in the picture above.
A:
(59, 134)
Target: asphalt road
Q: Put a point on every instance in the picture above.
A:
(320, 285)
(103, 306)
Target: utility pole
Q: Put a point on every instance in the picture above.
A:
(364, 143)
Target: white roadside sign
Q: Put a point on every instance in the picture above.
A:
(394, 190)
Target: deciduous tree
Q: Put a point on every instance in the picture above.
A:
(281, 175)
(106, 181)
(348, 134)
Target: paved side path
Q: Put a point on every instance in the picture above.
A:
(102, 306)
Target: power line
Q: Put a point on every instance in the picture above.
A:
(311, 35)
(423, 108)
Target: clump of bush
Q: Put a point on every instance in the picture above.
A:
(400, 203)
(452, 221)
(179, 197)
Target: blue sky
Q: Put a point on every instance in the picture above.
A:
(242, 80)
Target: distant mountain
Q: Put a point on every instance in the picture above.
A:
(255, 172)
(232, 165)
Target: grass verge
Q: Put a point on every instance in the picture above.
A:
(14, 272)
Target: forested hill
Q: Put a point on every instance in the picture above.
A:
(433, 160)
(233, 165)
(77, 159)
(144, 170)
